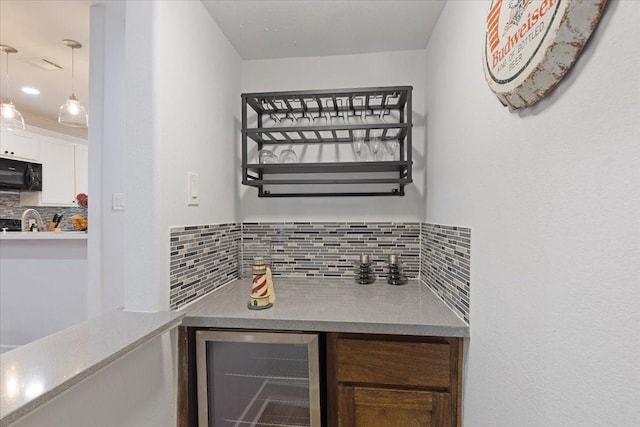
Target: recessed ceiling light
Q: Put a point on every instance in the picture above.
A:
(30, 90)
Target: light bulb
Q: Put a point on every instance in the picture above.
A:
(73, 107)
(10, 117)
(72, 113)
(8, 111)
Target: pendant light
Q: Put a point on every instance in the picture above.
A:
(10, 118)
(72, 113)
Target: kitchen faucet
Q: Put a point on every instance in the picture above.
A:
(26, 226)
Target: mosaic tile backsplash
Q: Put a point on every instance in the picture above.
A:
(202, 258)
(208, 256)
(445, 265)
(10, 209)
(330, 249)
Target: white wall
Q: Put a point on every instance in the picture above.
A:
(137, 390)
(553, 198)
(106, 157)
(183, 104)
(43, 288)
(338, 72)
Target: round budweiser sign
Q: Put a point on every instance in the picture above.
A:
(531, 44)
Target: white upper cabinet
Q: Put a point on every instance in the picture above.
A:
(58, 173)
(82, 168)
(20, 145)
(65, 166)
(64, 174)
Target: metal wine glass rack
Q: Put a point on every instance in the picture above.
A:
(327, 117)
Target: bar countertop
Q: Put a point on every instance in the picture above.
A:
(330, 305)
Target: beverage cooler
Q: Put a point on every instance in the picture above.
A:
(257, 379)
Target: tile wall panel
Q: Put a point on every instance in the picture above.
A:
(330, 249)
(10, 209)
(203, 257)
(445, 264)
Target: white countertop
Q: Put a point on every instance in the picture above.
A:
(60, 235)
(36, 372)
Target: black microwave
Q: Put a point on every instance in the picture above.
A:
(18, 175)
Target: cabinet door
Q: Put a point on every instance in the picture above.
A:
(58, 173)
(82, 169)
(373, 407)
(375, 379)
(19, 144)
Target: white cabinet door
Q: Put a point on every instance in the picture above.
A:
(58, 172)
(19, 144)
(82, 169)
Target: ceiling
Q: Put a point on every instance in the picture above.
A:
(257, 29)
(281, 29)
(36, 30)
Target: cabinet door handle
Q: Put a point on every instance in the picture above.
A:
(6, 152)
(12, 152)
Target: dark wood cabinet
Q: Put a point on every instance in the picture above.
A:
(380, 380)
(370, 380)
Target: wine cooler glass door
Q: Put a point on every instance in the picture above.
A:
(257, 379)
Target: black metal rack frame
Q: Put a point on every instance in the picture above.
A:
(362, 102)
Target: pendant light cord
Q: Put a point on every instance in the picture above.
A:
(72, 69)
(6, 80)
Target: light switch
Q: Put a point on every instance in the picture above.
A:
(117, 201)
(193, 189)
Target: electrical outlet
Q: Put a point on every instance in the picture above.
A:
(117, 202)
